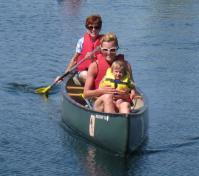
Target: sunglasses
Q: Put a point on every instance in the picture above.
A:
(111, 50)
(90, 27)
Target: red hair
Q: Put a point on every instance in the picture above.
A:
(93, 19)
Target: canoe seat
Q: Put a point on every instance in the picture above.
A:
(76, 80)
(89, 103)
(80, 98)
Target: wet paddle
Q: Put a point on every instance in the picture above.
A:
(45, 90)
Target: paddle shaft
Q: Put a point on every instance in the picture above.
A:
(74, 67)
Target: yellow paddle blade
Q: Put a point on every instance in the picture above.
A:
(42, 90)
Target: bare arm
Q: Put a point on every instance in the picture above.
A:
(89, 84)
(88, 88)
(72, 62)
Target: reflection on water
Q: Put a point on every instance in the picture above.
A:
(94, 160)
(70, 7)
(18, 87)
(27, 88)
(166, 148)
(100, 163)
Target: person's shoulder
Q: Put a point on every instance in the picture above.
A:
(95, 63)
(93, 66)
(101, 35)
(80, 40)
(99, 55)
(120, 56)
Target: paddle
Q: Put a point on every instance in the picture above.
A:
(45, 90)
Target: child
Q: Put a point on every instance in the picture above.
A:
(118, 77)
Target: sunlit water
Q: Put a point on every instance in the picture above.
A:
(159, 38)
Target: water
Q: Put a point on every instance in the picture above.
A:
(160, 40)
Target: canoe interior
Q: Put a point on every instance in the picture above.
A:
(75, 92)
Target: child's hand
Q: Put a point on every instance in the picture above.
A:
(121, 95)
(108, 90)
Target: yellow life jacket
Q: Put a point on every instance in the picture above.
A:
(109, 81)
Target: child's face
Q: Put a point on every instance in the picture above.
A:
(118, 73)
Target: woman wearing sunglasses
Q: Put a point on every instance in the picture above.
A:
(105, 96)
(85, 46)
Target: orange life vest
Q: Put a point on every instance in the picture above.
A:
(88, 46)
(103, 65)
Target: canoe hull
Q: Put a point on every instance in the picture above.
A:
(119, 133)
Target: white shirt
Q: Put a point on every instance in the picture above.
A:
(79, 45)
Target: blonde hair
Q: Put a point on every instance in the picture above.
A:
(109, 37)
(120, 64)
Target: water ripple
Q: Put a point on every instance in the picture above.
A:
(14, 87)
(167, 148)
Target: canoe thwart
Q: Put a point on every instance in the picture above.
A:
(75, 94)
(74, 88)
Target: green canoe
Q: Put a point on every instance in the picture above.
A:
(119, 133)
